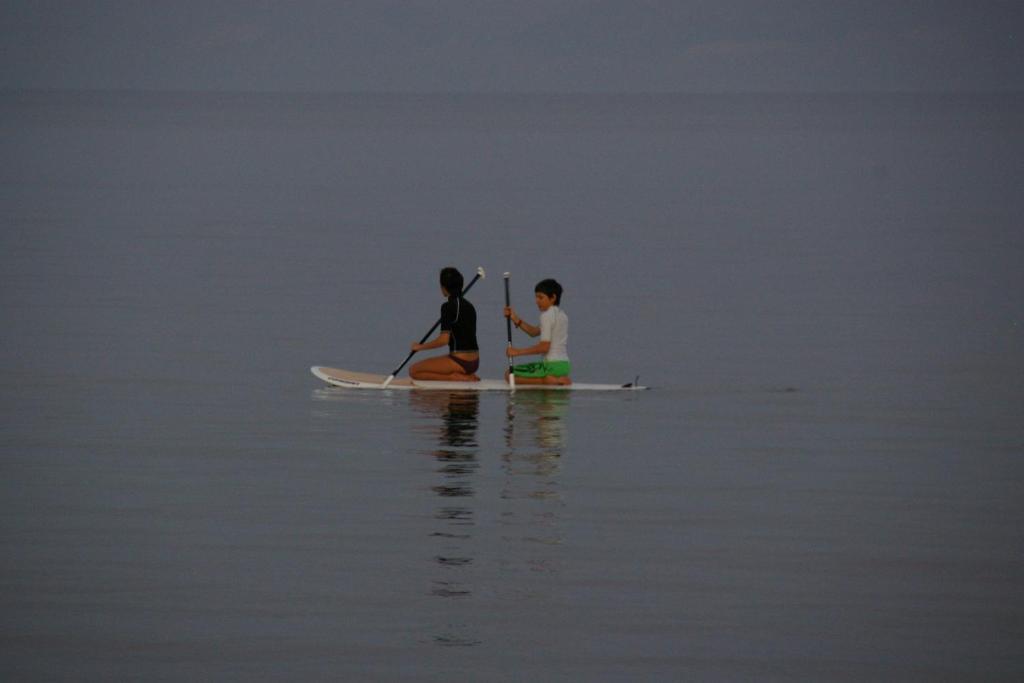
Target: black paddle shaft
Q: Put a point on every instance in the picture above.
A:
(427, 335)
(508, 319)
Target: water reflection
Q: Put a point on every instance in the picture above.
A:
(524, 498)
(323, 397)
(453, 422)
(542, 420)
(536, 438)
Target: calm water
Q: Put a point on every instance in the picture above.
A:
(825, 484)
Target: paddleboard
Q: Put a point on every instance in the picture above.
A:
(365, 380)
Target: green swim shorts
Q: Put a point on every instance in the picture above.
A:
(544, 368)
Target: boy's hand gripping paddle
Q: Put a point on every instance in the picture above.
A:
(479, 274)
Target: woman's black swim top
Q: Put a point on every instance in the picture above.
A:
(458, 319)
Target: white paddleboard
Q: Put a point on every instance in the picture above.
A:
(365, 380)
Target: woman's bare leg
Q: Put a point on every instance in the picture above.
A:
(440, 369)
(437, 377)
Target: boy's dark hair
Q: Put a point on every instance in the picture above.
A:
(551, 288)
(451, 280)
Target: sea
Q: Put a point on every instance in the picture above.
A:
(824, 293)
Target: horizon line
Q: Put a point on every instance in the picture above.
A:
(464, 93)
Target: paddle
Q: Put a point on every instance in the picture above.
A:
(508, 330)
(479, 274)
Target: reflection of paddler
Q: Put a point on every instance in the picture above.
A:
(456, 455)
(546, 413)
(459, 412)
(537, 436)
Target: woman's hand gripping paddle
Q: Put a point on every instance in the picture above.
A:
(479, 274)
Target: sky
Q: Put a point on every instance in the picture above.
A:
(513, 46)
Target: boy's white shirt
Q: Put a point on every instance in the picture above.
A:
(554, 328)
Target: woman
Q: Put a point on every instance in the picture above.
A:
(458, 332)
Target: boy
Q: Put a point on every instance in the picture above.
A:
(554, 339)
(458, 331)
